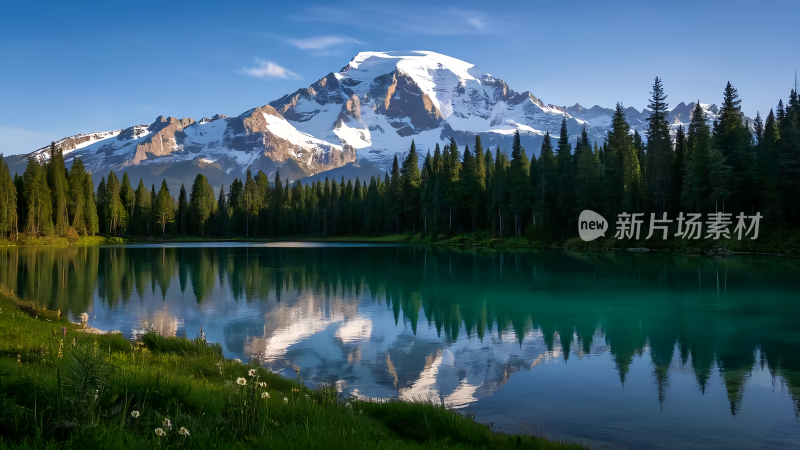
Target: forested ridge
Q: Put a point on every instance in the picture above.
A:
(728, 165)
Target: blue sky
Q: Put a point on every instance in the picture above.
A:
(69, 68)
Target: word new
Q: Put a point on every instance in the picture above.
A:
(689, 226)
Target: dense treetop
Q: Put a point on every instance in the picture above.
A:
(729, 166)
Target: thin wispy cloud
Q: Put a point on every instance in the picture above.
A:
(322, 42)
(267, 69)
(433, 21)
(476, 22)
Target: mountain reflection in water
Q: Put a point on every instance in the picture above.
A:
(458, 325)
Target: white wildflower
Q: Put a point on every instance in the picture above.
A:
(160, 432)
(237, 360)
(183, 431)
(167, 423)
(135, 414)
(241, 381)
(285, 400)
(252, 372)
(265, 395)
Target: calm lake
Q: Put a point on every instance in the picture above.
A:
(625, 350)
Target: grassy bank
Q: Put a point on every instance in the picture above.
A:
(69, 389)
(57, 241)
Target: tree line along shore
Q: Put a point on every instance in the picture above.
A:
(461, 189)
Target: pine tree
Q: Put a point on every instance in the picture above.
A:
(114, 206)
(410, 186)
(758, 128)
(249, 201)
(91, 219)
(498, 192)
(623, 173)
(639, 145)
(163, 209)
(140, 217)
(393, 196)
(277, 200)
(468, 184)
(102, 204)
(480, 164)
(720, 179)
(734, 140)
(235, 201)
(678, 168)
(565, 199)
(548, 181)
(488, 164)
(479, 203)
(588, 180)
(19, 186)
(76, 196)
(183, 210)
(533, 191)
(150, 218)
(697, 184)
(789, 156)
(202, 204)
(451, 159)
(427, 181)
(659, 172)
(519, 183)
(8, 201)
(39, 203)
(57, 182)
(128, 198)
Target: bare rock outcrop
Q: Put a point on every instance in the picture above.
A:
(162, 138)
(399, 98)
(250, 132)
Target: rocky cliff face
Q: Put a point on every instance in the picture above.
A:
(221, 148)
(162, 138)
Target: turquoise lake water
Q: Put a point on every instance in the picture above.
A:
(625, 350)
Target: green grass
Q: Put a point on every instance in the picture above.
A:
(80, 391)
(56, 241)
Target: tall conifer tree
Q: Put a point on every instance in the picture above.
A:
(183, 210)
(8, 201)
(39, 202)
(163, 209)
(659, 159)
(57, 181)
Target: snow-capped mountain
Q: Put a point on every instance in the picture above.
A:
(220, 147)
(381, 100)
(368, 111)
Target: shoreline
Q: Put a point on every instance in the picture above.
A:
(474, 241)
(156, 382)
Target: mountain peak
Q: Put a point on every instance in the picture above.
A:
(373, 107)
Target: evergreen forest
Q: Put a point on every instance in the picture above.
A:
(727, 165)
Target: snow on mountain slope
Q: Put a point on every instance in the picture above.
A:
(381, 100)
(371, 109)
(220, 147)
(599, 118)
